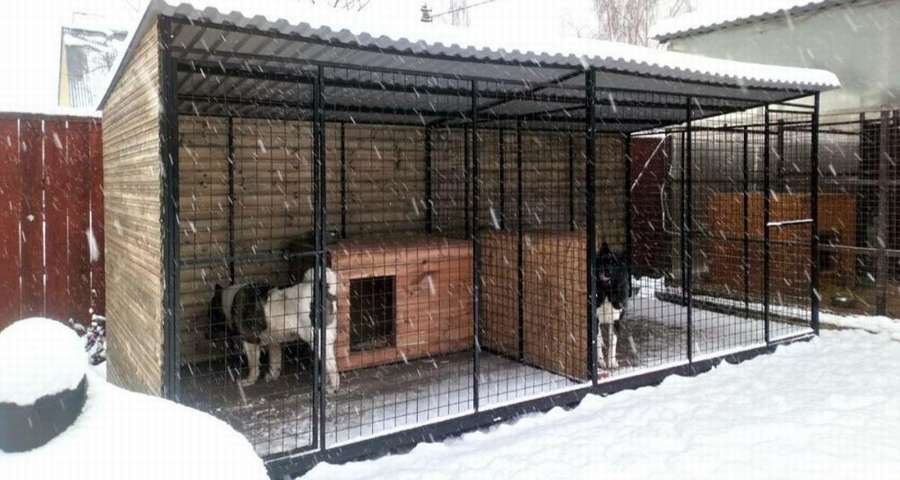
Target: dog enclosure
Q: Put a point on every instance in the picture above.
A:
(457, 201)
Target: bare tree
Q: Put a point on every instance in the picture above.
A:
(356, 5)
(630, 21)
(459, 13)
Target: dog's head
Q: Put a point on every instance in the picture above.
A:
(331, 279)
(612, 277)
(248, 311)
(218, 322)
(331, 291)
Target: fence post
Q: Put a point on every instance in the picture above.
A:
(343, 141)
(884, 162)
(520, 252)
(689, 228)
(572, 222)
(501, 216)
(467, 179)
(319, 276)
(170, 205)
(231, 200)
(590, 96)
(429, 193)
(476, 249)
(779, 152)
(814, 195)
(766, 205)
(746, 218)
(682, 230)
(628, 209)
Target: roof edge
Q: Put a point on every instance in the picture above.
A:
(671, 29)
(134, 37)
(630, 58)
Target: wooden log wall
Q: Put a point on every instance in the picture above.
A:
(131, 171)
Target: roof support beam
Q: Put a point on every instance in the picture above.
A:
(399, 52)
(550, 115)
(531, 95)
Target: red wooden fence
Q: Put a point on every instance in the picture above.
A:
(51, 212)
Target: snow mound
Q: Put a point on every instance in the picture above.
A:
(121, 434)
(870, 323)
(39, 357)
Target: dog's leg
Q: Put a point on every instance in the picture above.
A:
(600, 361)
(634, 350)
(252, 350)
(334, 377)
(274, 362)
(613, 341)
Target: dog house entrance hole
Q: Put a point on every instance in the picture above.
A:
(372, 313)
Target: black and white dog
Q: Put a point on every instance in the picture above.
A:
(613, 295)
(264, 316)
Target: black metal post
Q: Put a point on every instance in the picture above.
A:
(779, 156)
(343, 181)
(682, 230)
(231, 201)
(628, 208)
(590, 97)
(572, 223)
(170, 208)
(476, 250)
(467, 178)
(884, 171)
(520, 247)
(429, 195)
(767, 194)
(689, 229)
(501, 216)
(814, 196)
(320, 278)
(746, 218)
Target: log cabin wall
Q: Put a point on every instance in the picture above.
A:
(133, 189)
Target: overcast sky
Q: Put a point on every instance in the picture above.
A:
(30, 32)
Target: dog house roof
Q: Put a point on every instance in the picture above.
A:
(261, 51)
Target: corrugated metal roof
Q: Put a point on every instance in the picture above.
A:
(717, 18)
(371, 34)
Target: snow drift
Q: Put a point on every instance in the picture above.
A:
(119, 434)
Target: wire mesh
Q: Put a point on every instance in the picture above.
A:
(457, 248)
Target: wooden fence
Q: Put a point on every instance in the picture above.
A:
(51, 217)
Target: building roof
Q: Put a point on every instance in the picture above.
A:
(261, 55)
(743, 13)
(87, 54)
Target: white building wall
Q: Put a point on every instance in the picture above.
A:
(859, 43)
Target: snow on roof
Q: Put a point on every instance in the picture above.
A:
(384, 31)
(741, 13)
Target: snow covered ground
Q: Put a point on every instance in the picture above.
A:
(828, 408)
(119, 434)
